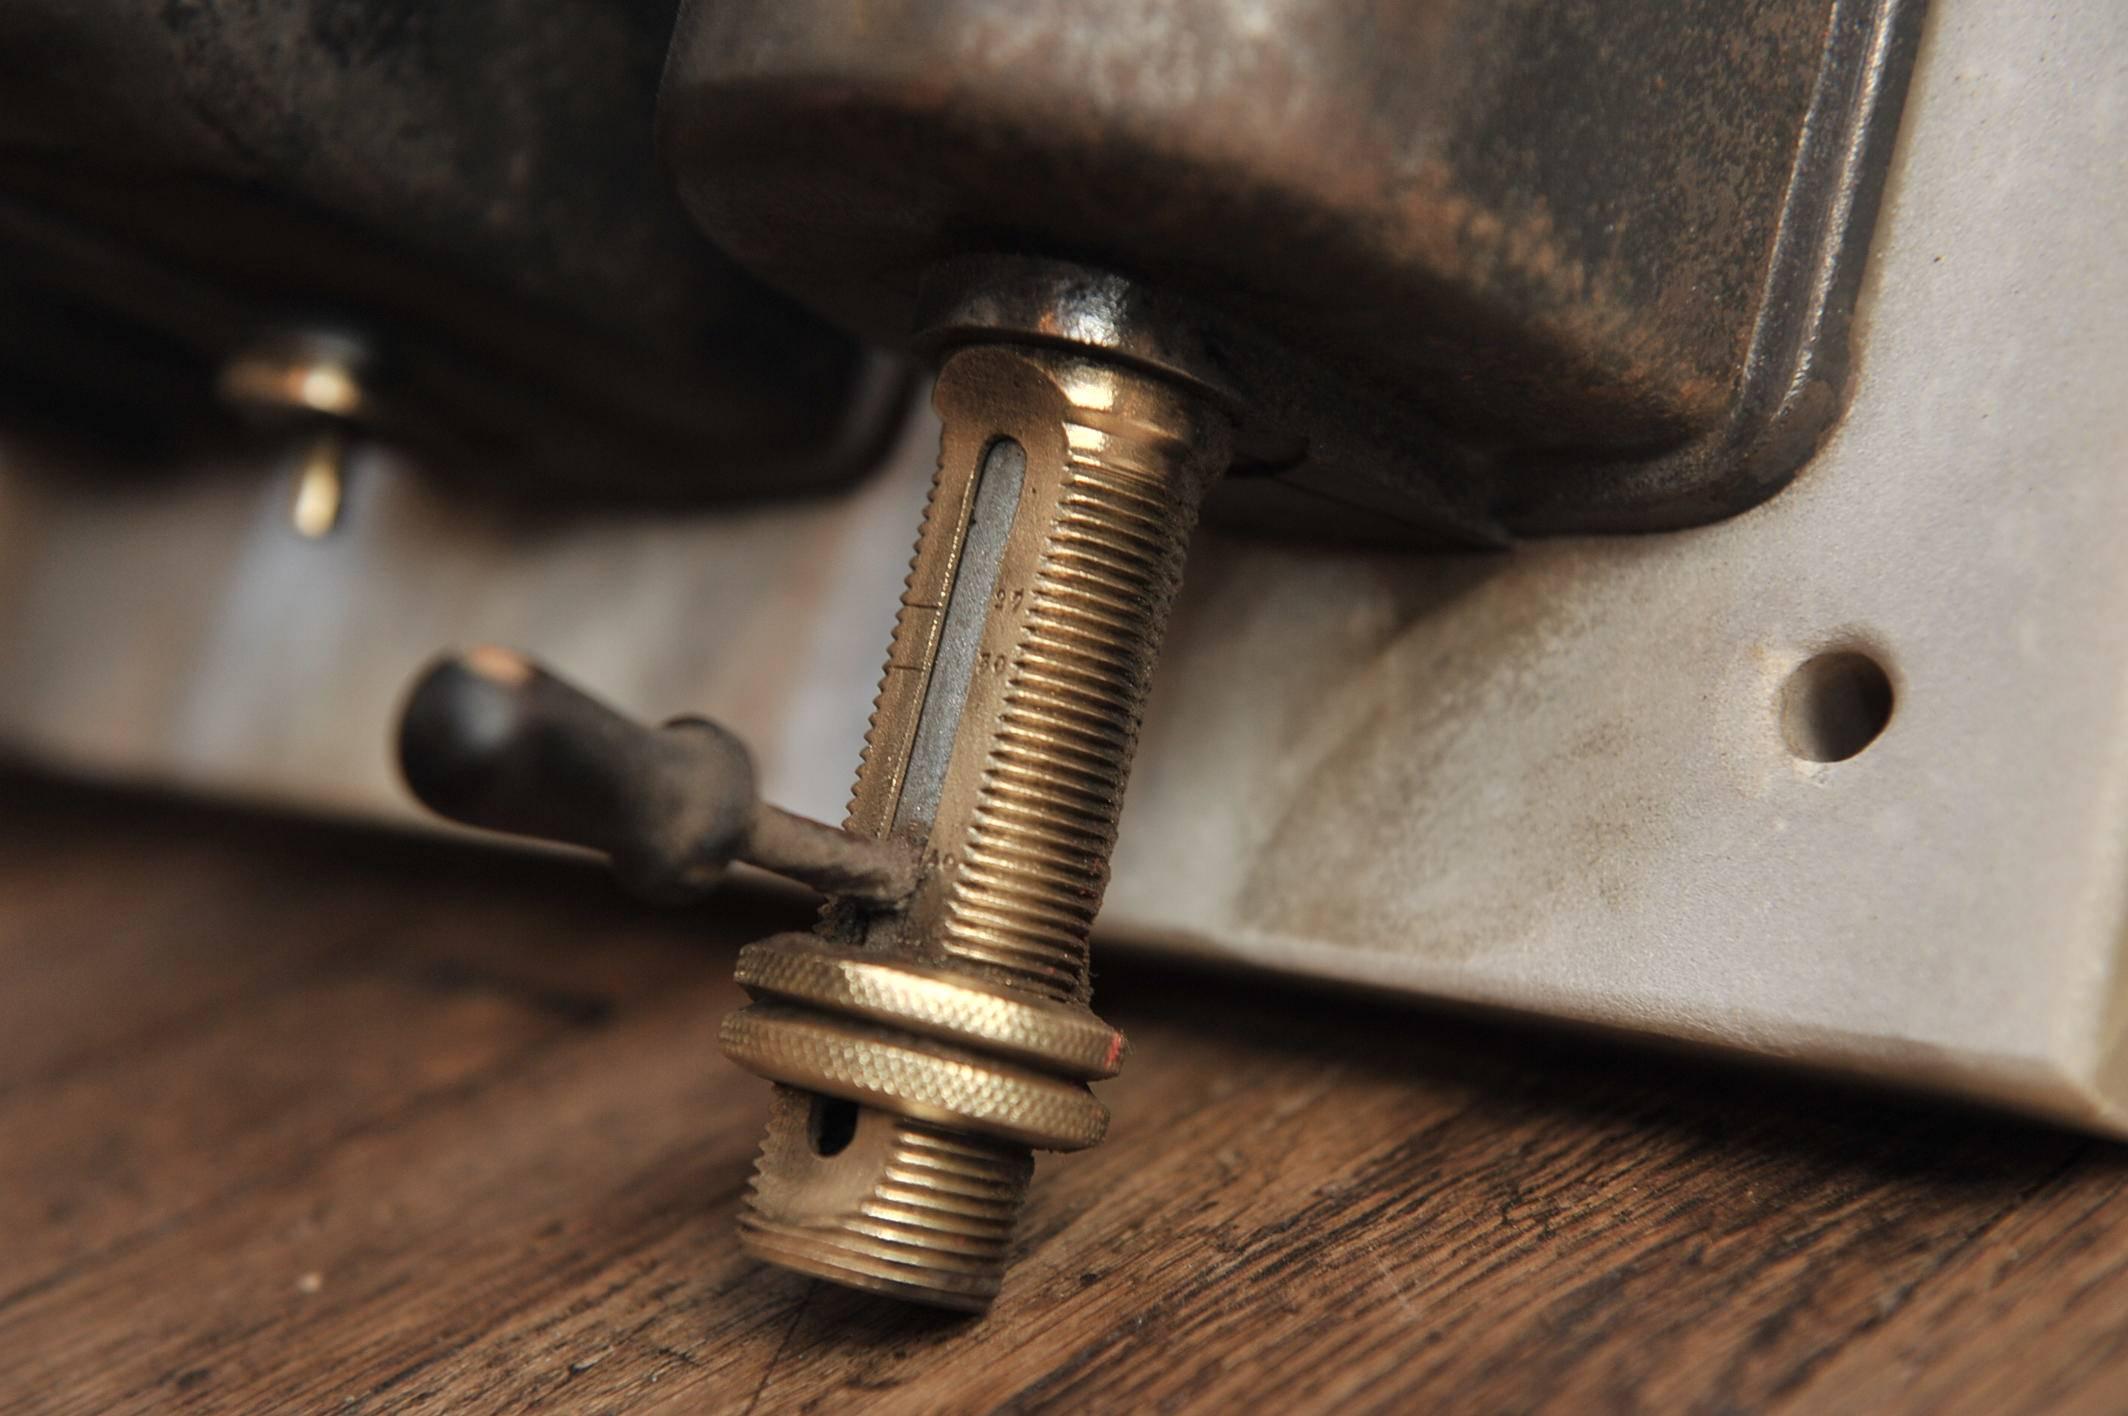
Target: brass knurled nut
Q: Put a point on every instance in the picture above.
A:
(1059, 1038)
(1050, 553)
(879, 1067)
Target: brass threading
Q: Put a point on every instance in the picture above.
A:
(1014, 798)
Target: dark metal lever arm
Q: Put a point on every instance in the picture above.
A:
(489, 738)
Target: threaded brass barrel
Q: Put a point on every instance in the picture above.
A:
(923, 1051)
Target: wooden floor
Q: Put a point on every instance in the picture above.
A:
(296, 1119)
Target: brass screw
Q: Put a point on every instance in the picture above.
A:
(321, 486)
(311, 382)
(922, 1053)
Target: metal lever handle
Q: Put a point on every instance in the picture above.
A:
(489, 738)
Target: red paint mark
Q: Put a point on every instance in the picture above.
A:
(1115, 1052)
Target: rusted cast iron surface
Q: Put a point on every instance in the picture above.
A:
(1492, 260)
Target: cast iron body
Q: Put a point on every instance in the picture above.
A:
(1503, 265)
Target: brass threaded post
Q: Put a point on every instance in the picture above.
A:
(1051, 549)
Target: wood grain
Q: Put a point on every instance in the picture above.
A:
(299, 1119)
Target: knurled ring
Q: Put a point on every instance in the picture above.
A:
(926, 1081)
(1061, 1038)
